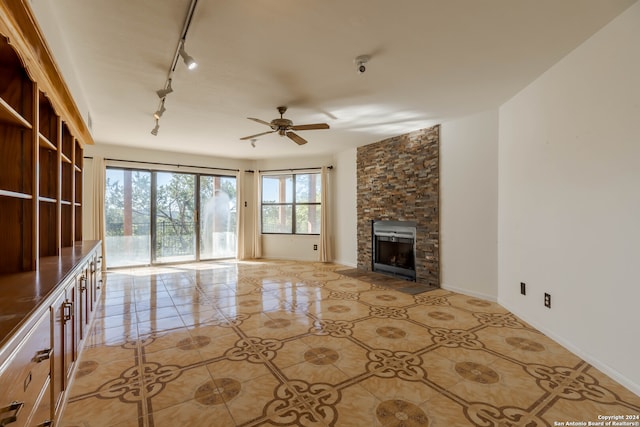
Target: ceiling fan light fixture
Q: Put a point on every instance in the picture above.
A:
(188, 60)
(154, 131)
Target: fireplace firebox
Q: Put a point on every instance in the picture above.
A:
(394, 248)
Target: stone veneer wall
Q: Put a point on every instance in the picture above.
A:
(399, 179)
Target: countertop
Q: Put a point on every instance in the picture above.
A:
(23, 294)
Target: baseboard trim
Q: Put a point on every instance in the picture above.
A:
(596, 363)
(468, 292)
(346, 264)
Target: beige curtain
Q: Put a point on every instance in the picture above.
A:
(257, 229)
(326, 238)
(240, 212)
(96, 219)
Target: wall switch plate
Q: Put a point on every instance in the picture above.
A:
(315, 247)
(547, 300)
(523, 288)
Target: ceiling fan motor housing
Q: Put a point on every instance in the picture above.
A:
(281, 124)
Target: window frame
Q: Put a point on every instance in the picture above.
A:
(293, 203)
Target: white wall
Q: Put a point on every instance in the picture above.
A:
(345, 216)
(569, 200)
(469, 205)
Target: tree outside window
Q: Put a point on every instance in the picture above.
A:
(291, 203)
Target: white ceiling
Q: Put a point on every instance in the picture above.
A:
(431, 60)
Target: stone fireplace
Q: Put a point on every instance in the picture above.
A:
(399, 180)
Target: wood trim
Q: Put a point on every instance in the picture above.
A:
(18, 23)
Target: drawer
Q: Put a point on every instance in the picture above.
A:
(42, 416)
(25, 374)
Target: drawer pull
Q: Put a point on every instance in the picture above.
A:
(47, 423)
(67, 307)
(43, 355)
(14, 407)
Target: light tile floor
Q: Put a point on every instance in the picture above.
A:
(297, 344)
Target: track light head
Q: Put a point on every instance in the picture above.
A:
(253, 142)
(160, 111)
(188, 60)
(166, 91)
(154, 131)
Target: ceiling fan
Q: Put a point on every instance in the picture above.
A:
(284, 127)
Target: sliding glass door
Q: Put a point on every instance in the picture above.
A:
(155, 217)
(217, 217)
(175, 215)
(128, 217)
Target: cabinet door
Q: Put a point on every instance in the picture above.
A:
(98, 277)
(92, 282)
(62, 325)
(83, 308)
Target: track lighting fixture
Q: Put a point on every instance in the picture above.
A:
(160, 111)
(188, 60)
(166, 91)
(253, 142)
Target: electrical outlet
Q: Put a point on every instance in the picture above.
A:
(315, 247)
(523, 288)
(547, 300)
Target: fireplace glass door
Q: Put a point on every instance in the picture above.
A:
(396, 252)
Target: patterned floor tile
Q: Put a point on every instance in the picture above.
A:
(284, 343)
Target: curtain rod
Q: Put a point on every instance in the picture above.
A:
(169, 164)
(294, 169)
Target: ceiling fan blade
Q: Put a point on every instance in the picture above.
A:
(296, 138)
(311, 127)
(259, 121)
(256, 135)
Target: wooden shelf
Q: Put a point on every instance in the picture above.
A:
(65, 159)
(47, 200)
(45, 143)
(77, 168)
(15, 195)
(77, 205)
(11, 116)
(65, 202)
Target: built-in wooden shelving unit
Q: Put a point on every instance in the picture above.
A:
(49, 278)
(41, 149)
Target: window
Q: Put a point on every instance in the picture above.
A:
(291, 203)
(160, 216)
